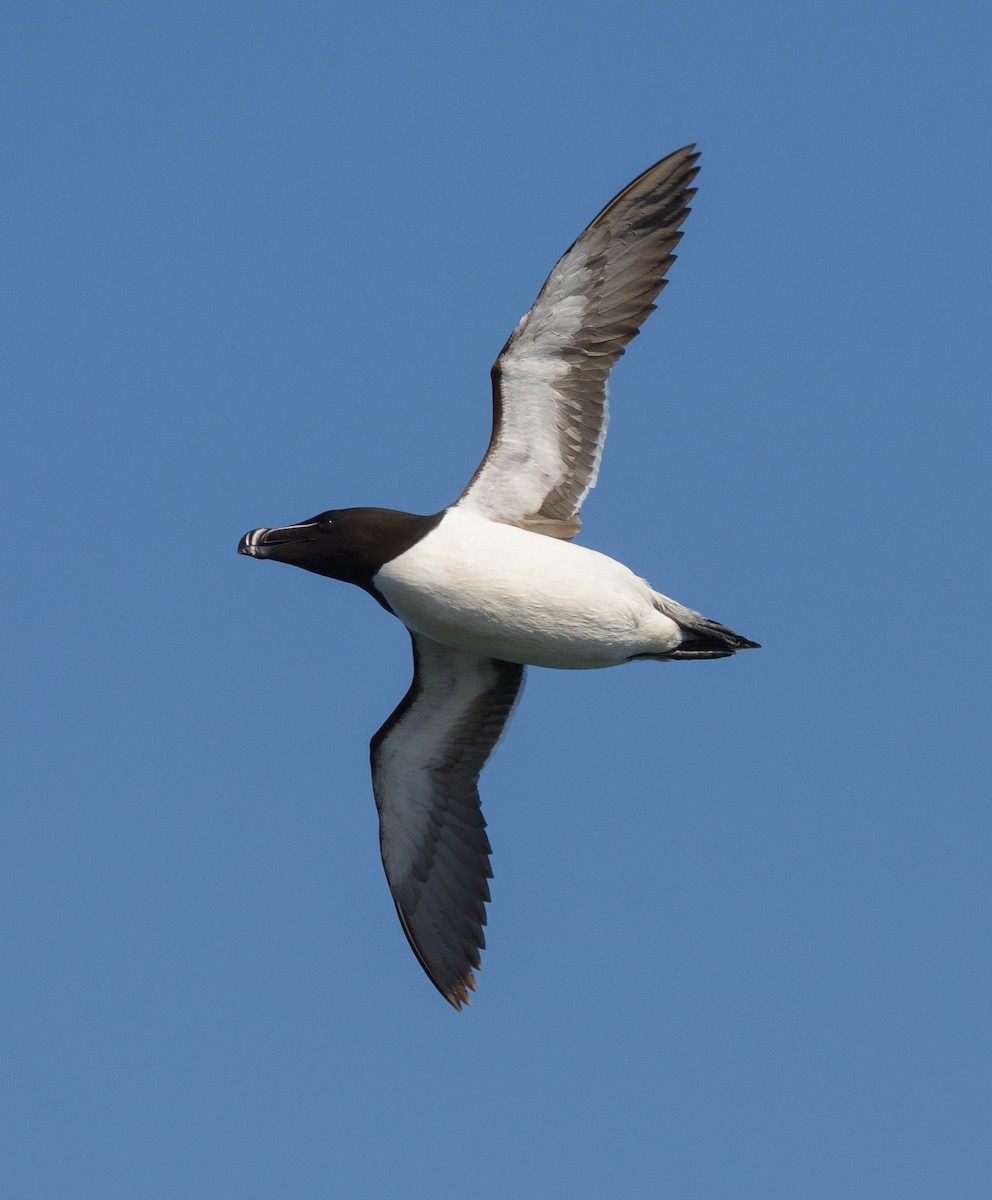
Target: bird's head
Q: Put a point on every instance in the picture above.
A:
(325, 544)
(350, 544)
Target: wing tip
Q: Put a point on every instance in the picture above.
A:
(454, 990)
(457, 995)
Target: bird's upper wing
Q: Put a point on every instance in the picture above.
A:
(426, 761)
(549, 382)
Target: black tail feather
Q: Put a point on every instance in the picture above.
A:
(702, 638)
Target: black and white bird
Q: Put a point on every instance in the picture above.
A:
(494, 582)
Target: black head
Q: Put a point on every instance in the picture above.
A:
(350, 544)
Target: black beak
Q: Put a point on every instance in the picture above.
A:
(260, 543)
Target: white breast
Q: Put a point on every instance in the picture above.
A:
(515, 595)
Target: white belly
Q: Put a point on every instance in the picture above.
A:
(510, 594)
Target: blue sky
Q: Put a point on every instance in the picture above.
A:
(259, 259)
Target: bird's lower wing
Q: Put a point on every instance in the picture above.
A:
(426, 762)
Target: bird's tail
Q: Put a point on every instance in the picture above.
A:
(701, 637)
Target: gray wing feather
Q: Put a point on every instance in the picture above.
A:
(426, 762)
(550, 407)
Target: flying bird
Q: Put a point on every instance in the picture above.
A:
(494, 583)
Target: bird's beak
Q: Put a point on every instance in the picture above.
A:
(260, 543)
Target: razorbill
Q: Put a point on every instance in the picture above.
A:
(494, 582)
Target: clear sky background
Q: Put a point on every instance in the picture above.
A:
(259, 258)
